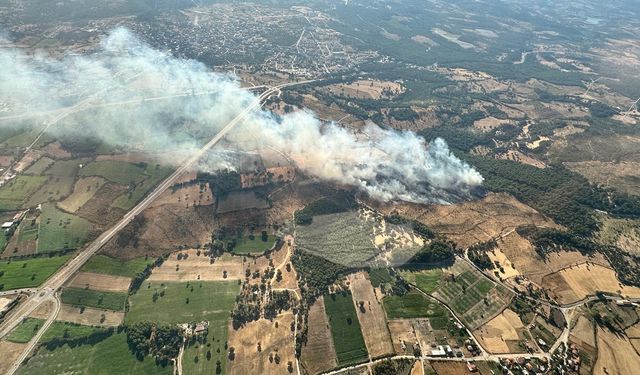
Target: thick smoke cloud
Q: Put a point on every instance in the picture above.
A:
(112, 82)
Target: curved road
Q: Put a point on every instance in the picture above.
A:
(48, 289)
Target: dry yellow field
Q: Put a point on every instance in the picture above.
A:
(575, 283)
(190, 195)
(366, 89)
(402, 335)
(10, 353)
(371, 316)
(196, 267)
(583, 332)
(498, 256)
(318, 354)
(84, 189)
(616, 355)
(249, 360)
(90, 316)
(98, 281)
(633, 331)
(494, 335)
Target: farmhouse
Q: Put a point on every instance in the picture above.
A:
(7, 225)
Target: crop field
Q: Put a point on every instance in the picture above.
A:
(15, 193)
(83, 190)
(342, 238)
(414, 305)
(122, 173)
(109, 356)
(345, 329)
(154, 174)
(245, 245)
(66, 168)
(502, 333)
(318, 354)
(426, 280)
(68, 330)
(472, 296)
(90, 316)
(194, 267)
(111, 266)
(37, 168)
(371, 315)
(25, 331)
(54, 189)
(93, 298)
(101, 282)
(184, 302)
(59, 230)
(616, 354)
(28, 272)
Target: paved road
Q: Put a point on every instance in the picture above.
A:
(48, 288)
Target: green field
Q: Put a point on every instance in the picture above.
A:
(26, 330)
(25, 138)
(414, 305)
(26, 273)
(66, 168)
(59, 230)
(55, 189)
(111, 266)
(345, 328)
(155, 174)
(107, 357)
(379, 276)
(37, 168)
(28, 230)
(119, 172)
(14, 194)
(67, 330)
(211, 301)
(94, 298)
(255, 246)
(3, 242)
(426, 280)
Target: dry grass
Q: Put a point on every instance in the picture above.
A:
(575, 283)
(583, 332)
(272, 340)
(190, 195)
(43, 311)
(450, 368)
(372, 320)
(97, 281)
(366, 89)
(90, 316)
(621, 175)
(498, 256)
(10, 353)
(616, 355)
(498, 331)
(84, 189)
(196, 267)
(472, 222)
(402, 335)
(318, 354)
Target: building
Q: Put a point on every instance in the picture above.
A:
(439, 352)
(7, 225)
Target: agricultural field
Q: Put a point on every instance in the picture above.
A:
(196, 266)
(26, 273)
(59, 230)
(112, 266)
(83, 190)
(473, 297)
(415, 305)
(239, 201)
(53, 190)
(345, 329)
(93, 298)
(90, 316)
(38, 168)
(109, 356)
(14, 194)
(371, 315)
(25, 331)
(502, 334)
(185, 302)
(122, 173)
(616, 354)
(344, 238)
(318, 353)
(11, 351)
(100, 282)
(154, 174)
(254, 246)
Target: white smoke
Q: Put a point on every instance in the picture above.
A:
(387, 164)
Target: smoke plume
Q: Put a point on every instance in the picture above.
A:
(128, 95)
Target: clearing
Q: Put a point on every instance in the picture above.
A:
(371, 315)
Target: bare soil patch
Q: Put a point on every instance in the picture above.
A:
(371, 315)
(402, 336)
(496, 333)
(616, 355)
(195, 267)
(43, 311)
(318, 353)
(98, 281)
(249, 360)
(90, 316)
(11, 351)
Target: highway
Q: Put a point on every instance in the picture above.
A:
(48, 289)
